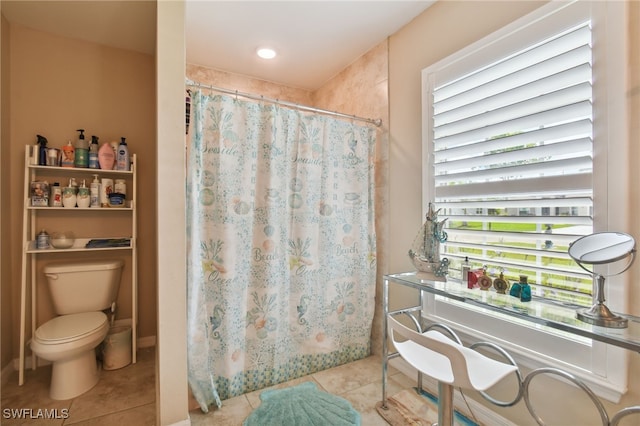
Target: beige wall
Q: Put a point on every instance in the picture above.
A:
(633, 93)
(6, 254)
(171, 348)
(58, 85)
(441, 30)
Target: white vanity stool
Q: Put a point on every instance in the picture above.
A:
(448, 362)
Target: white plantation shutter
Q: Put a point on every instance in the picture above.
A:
(513, 164)
(524, 130)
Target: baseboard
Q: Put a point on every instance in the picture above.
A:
(483, 414)
(143, 342)
(6, 373)
(146, 342)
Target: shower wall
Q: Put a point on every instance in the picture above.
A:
(360, 89)
(246, 84)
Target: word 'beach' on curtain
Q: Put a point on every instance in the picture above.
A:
(281, 260)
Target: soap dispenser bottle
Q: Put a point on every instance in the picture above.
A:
(81, 158)
(123, 156)
(93, 153)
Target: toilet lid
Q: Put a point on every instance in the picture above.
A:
(71, 326)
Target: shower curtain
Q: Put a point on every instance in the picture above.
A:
(281, 240)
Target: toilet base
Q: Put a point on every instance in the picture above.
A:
(73, 377)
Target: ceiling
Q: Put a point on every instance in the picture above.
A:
(315, 40)
(124, 24)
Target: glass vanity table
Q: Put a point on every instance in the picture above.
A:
(554, 316)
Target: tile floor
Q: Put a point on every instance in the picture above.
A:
(359, 382)
(127, 396)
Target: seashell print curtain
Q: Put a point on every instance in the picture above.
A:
(281, 244)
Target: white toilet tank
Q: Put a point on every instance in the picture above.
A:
(83, 286)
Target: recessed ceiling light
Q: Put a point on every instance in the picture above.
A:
(266, 53)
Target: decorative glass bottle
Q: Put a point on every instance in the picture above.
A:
(525, 293)
(501, 284)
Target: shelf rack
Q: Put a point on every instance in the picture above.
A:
(30, 253)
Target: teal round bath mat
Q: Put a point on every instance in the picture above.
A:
(302, 405)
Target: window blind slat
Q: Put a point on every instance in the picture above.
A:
(571, 220)
(532, 170)
(524, 108)
(535, 202)
(529, 123)
(565, 43)
(563, 131)
(462, 236)
(541, 153)
(577, 184)
(557, 73)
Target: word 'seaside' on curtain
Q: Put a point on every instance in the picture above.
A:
(281, 245)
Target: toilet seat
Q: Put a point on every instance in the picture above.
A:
(67, 328)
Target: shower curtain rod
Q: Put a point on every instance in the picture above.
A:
(377, 122)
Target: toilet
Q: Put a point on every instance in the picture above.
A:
(79, 292)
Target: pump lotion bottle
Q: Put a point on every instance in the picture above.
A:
(81, 158)
(93, 153)
(123, 156)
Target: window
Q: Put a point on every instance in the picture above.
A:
(511, 141)
(519, 131)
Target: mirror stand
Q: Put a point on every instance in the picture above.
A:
(599, 314)
(599, 249)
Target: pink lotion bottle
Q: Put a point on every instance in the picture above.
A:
(106, 158)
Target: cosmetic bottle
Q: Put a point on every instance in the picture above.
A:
(123, 156)
(42, 240)
(465, 268)
(95, 192)
(525, 294)
(68, 155)
(501, 284)
(81, 157)
(93, 153)
(105, 157)
(42, 150)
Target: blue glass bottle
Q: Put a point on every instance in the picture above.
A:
(525, 294)
(516, 290)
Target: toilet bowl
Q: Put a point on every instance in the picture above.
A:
(69, 342)
(79, 294)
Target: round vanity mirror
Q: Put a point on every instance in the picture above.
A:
(603, 247)
(597, 249)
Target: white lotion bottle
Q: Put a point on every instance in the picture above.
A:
(95, 192)
(122, 162)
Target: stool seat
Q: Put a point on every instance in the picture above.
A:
(448, 362)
